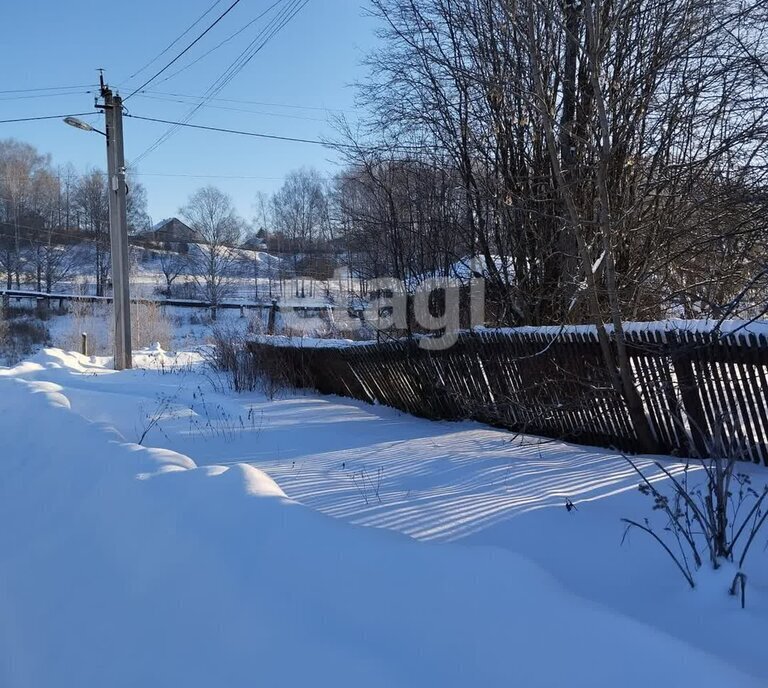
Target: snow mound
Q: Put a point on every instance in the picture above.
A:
(126, 566)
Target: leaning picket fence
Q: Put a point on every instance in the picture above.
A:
(701, 388)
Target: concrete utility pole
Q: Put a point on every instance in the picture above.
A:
(118, 225)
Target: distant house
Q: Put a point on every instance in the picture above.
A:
(254, 243)
(171, 234)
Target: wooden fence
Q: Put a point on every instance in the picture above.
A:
(702, 391)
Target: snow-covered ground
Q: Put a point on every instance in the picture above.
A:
(255, 542)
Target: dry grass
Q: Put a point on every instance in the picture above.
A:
(93, 319)
(150, 325)
(269, 370)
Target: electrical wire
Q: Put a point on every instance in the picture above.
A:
(274, 26)
(176, 40)
(224, 42)
(49, 88)
(203, 176)
(244, 102)
(8, 231)
(275, 137)
(35, 119)
(282, 115)
(45, 95)
(183, 52)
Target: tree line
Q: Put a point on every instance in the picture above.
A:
(54, 222)
(604, 159)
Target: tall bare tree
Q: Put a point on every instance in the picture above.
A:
(92, 202)
(210, 213)
(300, 213)
(611, 154)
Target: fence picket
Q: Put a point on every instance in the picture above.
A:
(697, 387)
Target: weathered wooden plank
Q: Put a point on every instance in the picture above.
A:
(556, 384)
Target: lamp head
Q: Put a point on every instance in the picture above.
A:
(78, 124)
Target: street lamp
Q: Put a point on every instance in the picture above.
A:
(118, 232)
(79, 124)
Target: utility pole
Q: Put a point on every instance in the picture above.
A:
(118, 225)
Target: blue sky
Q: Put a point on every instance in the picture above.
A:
(311, 66)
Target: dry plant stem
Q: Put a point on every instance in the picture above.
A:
(686, 535)
(650, 532)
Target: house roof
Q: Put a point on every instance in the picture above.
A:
(170, 224)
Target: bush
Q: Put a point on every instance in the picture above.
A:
(20, 336)
(714, 519)
(270, 370)
(149, 326)
(230, 356)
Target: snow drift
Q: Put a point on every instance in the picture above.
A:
(127, 566)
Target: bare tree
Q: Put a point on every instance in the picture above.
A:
(22, 169)
(210, 213)
(136, 201)
(300, 213)
(400, 218)
(611, 155)
(92, 202)
(634, 114)
(173, 264)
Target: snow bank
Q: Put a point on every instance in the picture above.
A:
(127, 566)
(737, 328)
(725, 327)
(306, 342)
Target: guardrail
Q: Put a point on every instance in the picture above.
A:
(22, 294)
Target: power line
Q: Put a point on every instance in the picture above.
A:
(49, 88)
(202, 176)
(176, 40)
(226, 40)
(35, 119)
(234, 109)
(45, 95)
(8, 230)
(147, 94)
(183, 52)
(274, 26)
(290, 139)
(236, 131)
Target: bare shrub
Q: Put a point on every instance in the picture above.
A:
(20, 336)
(231, 357)
(149, 326)
(3, 330)
(711, 513)
(256, 325)
(268, 369)
(278, 370)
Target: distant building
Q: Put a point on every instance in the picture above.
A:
(171, 234)
(254, 243)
